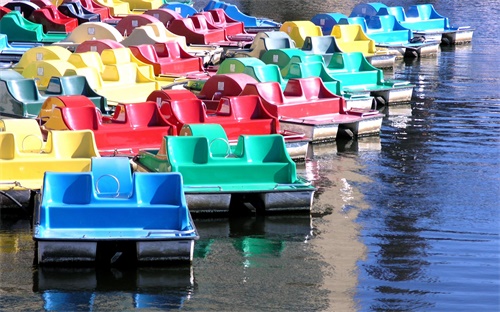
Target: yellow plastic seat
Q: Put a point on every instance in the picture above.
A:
(39, 54)
(352, 38)
(28, 135)
(299, 30)
(42, 71)
(65, 151)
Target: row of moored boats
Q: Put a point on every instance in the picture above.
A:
(120, 119)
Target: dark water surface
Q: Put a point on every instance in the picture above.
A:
(405, 222)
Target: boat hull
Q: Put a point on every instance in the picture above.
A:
(75, 251)
(398, 95)
(266, 201)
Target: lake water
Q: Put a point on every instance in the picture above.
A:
(405, 222)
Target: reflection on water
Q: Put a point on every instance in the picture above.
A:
(82, 289)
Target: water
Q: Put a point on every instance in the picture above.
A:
(405, 222)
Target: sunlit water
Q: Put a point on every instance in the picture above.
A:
(405, 222)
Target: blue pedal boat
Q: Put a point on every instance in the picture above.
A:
(108, 213)
(422, 19)
(386, 31)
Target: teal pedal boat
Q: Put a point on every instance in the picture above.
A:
(220, 178)
(109, 213)
(422, 19)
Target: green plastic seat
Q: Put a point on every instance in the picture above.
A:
(18, 28)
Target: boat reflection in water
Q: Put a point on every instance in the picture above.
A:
(255, 238)
(71, 289)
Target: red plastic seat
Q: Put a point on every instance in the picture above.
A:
(302, 97)
(53, 20)
(128, 23)
(196, 30)
(102, 10)
(168, 58)
(164, 15)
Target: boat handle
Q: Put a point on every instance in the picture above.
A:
(228, 150)
(170, 232)
(32, 135)
(204, 186)
(291, 185)
(16, 183)
(108, 175)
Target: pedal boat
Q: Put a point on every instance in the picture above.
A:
(422, 19)
(220, 179)
(307, 106)
(389, 35)
(132, 127)
(238, 115)
(25, 156)
(80, 216)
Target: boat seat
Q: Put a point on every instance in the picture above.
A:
(116, 7)
(27, 132)
(97, 45)
(351, 38)
(94, 7)
(143, 5)
(180, 8)
(264, 159)
(221, 85)
(25, 8)
(90, 31)
(53, 20)
(218, 141)
(163, 15)
(64, 151)
(113, 176)
(299, 30)
(18, 28)
(75, 9)
(68, 196)
(196, 30)
(128, 23)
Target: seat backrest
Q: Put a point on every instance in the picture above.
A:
(112, 175)
(24, 90)
(80, 118)
(7, 146)
(321, 45)
(247, 107)
(161, 189)
(72, 144)
(145, 53)
(217, 138)
(187, 111)
(67, 188)
(398, 12)
(115, 56)
(28, 135)
(87, 59)
(188, 150)
(144, 114)
(266, 148)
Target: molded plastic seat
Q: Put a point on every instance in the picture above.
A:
(327, 20)
(351, 38)
(90, 31)
(113, 175)
(299, 30)
(180, 8)
(21, 97)
(75, 9)
(18, 28)
(143, 5)
(167, 58)
(97, 8)
(28, 136)
(25, 8)
(64, 151)
(163, 15)
(53, 20)
(116, 7)
(253, 67)
(198, 33)
(152, 33)
(128, 23)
